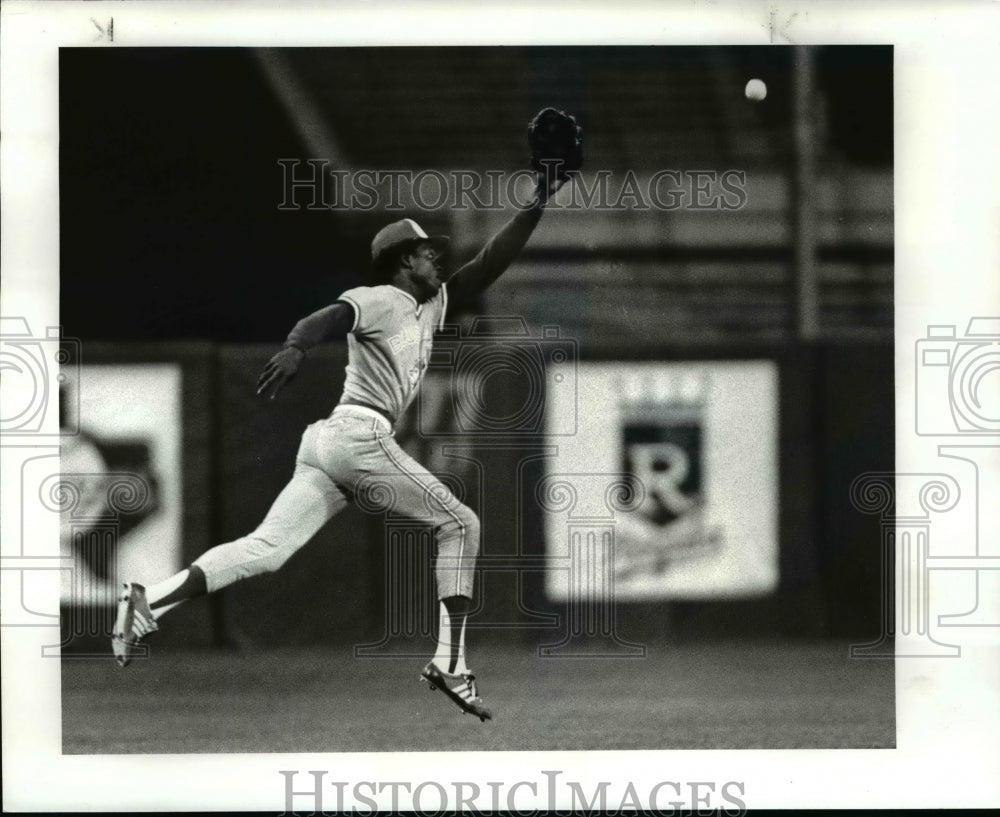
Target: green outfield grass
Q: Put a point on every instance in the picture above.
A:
(712, 696)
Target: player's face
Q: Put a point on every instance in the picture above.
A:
(425, 272)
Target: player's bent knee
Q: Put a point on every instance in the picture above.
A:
(472, 543)
(469, 520)
(470, 525)
(461, 527)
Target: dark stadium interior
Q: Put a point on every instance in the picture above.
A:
(169, 219)
(173, 249)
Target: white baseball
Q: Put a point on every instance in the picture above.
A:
(755, 90)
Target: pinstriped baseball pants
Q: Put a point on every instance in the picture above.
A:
(352, 454)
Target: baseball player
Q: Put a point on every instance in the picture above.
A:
(389, 328)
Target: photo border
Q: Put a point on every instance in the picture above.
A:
(947, 123)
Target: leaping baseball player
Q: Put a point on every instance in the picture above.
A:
(389, 328)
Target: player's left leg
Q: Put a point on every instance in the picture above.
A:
(306, 503)
(419, 494)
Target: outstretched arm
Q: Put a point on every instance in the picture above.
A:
(501, 250)
(332, 321)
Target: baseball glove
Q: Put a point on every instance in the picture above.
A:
(556, 140)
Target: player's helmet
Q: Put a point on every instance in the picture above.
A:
(401, 235)
(396, 239)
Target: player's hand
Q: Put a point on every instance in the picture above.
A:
(279, 370)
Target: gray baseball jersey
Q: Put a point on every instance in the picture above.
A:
(389, 349)
(389, 346)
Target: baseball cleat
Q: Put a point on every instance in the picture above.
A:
(133, 622)
(460, 688)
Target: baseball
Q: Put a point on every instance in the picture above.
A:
(755, 90)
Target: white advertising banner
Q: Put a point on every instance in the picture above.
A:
(120, 481)
(669, 488)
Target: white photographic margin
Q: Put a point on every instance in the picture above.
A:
(947, 126)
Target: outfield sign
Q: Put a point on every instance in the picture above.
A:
(688, 455)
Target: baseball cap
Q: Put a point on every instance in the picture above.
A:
(403, 232)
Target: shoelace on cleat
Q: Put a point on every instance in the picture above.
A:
(467, 690)
(142, 624)
(142, 627)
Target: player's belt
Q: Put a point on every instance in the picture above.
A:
(359, 410)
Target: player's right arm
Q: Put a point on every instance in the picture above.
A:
(501, 250)
(330, 322)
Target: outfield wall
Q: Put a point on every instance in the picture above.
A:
(834, 421)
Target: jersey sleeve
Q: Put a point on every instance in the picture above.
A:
(324, 324)
(366, 307)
